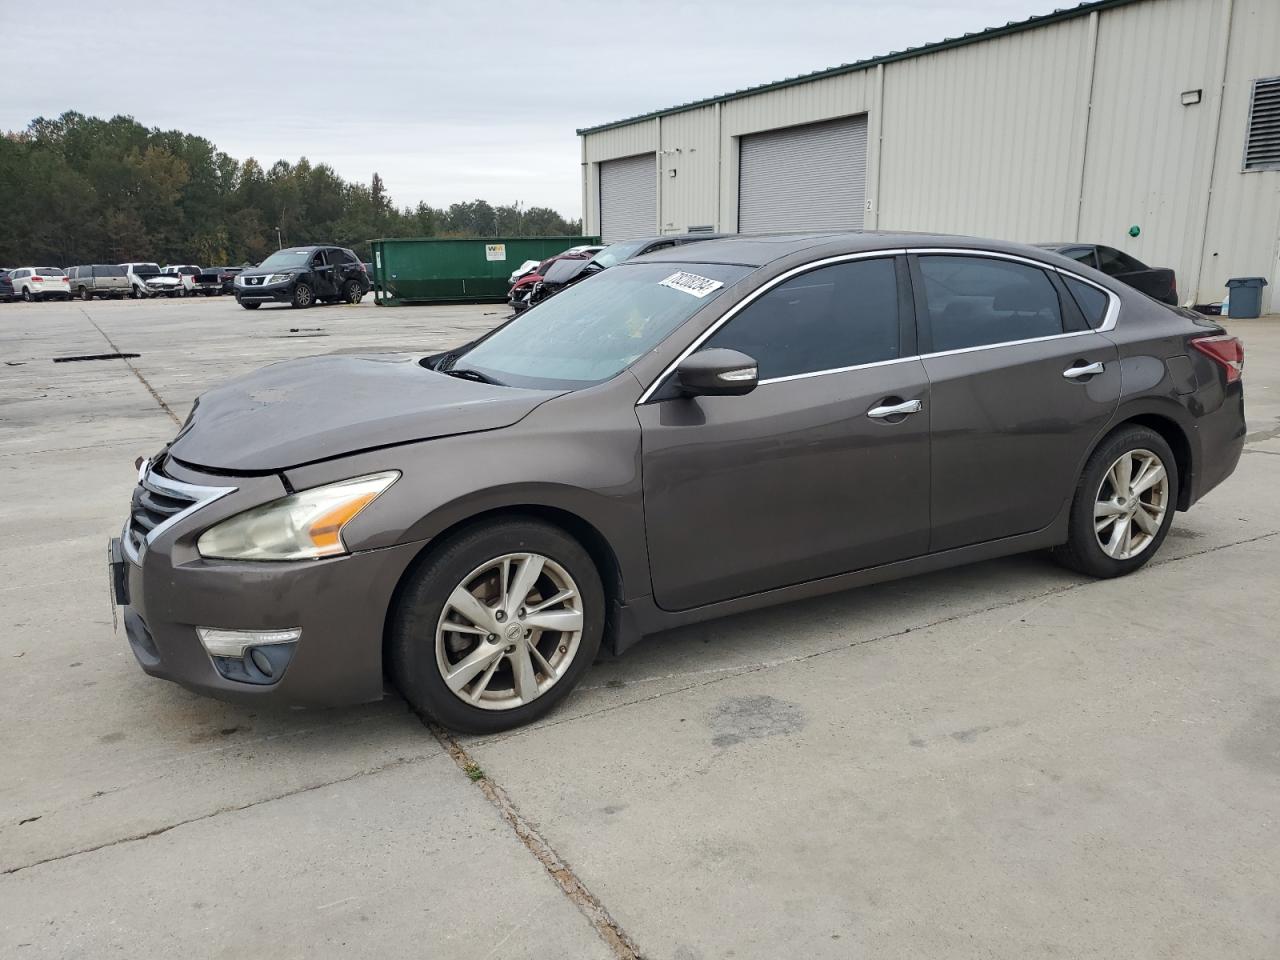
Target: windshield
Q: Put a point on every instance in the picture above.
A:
(597, 328)
(286, 260)
(615, 253)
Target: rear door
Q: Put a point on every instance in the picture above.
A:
(324, 268)
(806, 476)
(1020, 388)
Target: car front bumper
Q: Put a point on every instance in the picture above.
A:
(281, 292)
(166, 591)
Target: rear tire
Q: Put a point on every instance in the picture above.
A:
(420, 654)
(1123, 506)
(303, 296)
(353, 293)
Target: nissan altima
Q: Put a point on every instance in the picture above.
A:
(705, 430)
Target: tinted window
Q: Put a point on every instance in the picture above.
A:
(50, 272)
(595, 329)
(108, 270)
(1113, 261)
(146, 270)
(1080, 255)
(349, 257)
(973, 301)
(842, 315)
(1092, 302)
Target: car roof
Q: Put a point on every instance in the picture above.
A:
(757, 250)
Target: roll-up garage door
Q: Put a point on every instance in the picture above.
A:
(628, 198)
(812, 177)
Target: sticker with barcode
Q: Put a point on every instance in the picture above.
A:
(691, 284)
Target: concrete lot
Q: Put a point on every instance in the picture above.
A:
(1004, 760)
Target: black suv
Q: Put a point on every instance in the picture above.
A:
(302, 277)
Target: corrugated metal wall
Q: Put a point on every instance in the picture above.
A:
(1073, 130)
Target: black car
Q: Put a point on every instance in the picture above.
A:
(303, 277)
(227, 278)
(1159, 283)
(6, 287)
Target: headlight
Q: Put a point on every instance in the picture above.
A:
(279, 277)
(303, 526)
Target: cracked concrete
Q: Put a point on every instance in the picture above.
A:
(999, 760)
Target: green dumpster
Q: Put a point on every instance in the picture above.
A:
(431, 269)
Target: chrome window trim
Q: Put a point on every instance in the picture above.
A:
(200, 496)
(750, 299)
(1108, 323)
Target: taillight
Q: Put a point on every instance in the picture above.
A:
(1225, 349)
(37, 279)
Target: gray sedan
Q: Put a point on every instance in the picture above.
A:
(706, 430)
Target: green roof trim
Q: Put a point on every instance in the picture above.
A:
(1013, 26)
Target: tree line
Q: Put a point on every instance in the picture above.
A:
(81, 189)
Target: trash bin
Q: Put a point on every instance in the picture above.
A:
(1246, 297)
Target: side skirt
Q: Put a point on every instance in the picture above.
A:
(643, 616)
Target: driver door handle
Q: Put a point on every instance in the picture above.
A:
(894, 410)
(1088, 370)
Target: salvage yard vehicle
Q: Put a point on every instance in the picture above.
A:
(39, 283)
(303, 277)
(6, 286)
(561, 275)
(1159, 283)
(146, 280)
(710, 429)
(98, 280)
(186, 274)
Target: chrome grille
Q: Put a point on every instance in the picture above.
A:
(160, 500)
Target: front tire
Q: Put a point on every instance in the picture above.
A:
(1123, 506)
(27, 296)
(85, 295)
(496, 626)
(303, 296)
(250, 306)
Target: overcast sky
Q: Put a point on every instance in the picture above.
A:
(447, 101)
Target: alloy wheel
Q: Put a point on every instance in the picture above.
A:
(1131, 504)
(509, 631)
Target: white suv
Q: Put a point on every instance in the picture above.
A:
(145, 280)
(40, 283)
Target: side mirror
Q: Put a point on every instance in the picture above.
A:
(717, 373)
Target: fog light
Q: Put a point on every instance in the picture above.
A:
(233, 643)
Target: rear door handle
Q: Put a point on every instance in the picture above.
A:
(1088, 370)
(894, 410)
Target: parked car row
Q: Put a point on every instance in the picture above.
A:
(577, 263)
(114, 281)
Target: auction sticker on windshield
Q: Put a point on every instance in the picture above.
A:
(691, 284)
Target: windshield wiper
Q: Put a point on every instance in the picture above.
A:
(466, 373)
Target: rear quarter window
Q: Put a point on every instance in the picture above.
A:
(1092, 302)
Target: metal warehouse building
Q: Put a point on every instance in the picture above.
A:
(1163, 114)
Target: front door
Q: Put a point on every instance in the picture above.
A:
(1020, 389)
(813, 473)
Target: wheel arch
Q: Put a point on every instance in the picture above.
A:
(1170, 426)
(617, 630)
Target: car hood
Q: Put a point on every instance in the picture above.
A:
(318, 408)
(259, 272)
(164, 279)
